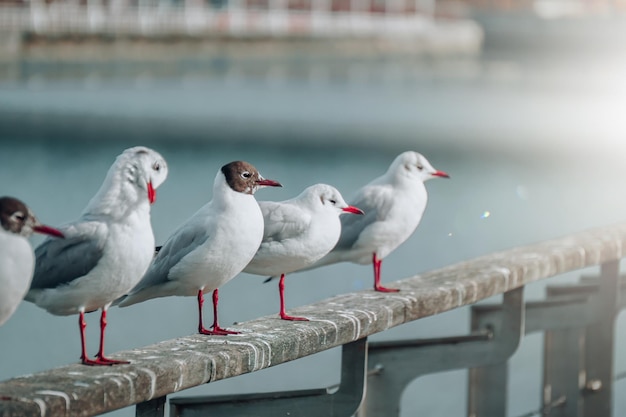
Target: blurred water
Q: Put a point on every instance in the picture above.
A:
(59, 138)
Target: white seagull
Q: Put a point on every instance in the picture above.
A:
(17, 260)
(106, 250)
(297, 233)
(393, 204)
(210, 248)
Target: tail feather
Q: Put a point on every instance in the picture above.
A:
(119, 300)
(140, 296)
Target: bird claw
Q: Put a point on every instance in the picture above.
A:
(103, 361)
(380, 288)
(113, 361)
(217, 331)
(292, 318)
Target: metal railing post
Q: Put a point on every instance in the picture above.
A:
(599, 344)
(153, 408)
(394, 365)
(324, 402)
(487, 390)
(562, 365)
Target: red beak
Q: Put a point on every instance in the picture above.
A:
(47, 230)
(151, 193)
(353, 210)
(440, 174)
(268, 183)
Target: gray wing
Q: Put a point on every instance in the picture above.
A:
(179, 245)
(374, 202)
(60, 261)
(283, 221)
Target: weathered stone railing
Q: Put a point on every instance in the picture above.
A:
(175, 365)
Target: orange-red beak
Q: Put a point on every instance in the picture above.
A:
(151, 193)
(440, 174)
(47, 230)
(269, 183)
(353, 210)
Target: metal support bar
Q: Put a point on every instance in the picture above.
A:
(487, 390)
(573, 317)
(593, 280)
(562, 368)
(342, 402)
(551, 314)
(152, 408)
(599, 344)
(488, 383)
(393, 365)
(566, 306)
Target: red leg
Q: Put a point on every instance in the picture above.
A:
(100, 359)
(216, 329)
(82, 325)
(283, 314)
(377, 286)
(100, 356)
(201, 328)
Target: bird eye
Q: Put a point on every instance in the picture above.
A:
(420, 167)
(246, 174)
(333, 202)
(156, 166)
(19, 216)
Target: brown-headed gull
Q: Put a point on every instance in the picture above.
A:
(393, 204)
(106, 250)
(297, 233)
(17, 260)
(210, 248)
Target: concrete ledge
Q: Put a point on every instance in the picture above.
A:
(173, 365)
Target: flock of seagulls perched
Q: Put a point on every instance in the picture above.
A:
(107, 256)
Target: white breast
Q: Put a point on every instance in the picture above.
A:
(297, 252)
(235, 234)
(17, 263)
(399, 223)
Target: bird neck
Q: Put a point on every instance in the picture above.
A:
(224, 196)
(117, 195)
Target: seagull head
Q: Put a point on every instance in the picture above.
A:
(16, 217)
(415, 166)
(244, 178)
(145, 169)
(327, 197)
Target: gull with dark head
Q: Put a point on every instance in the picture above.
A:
(212, 246)
(394, 204)
(17, 260)
(297, 233)
(106, 250)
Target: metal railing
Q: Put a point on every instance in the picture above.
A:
(578, 379)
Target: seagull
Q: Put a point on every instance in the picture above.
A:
(212, 246)
(106, 250)
(17, 260)
(297, 233)
(394, 204)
